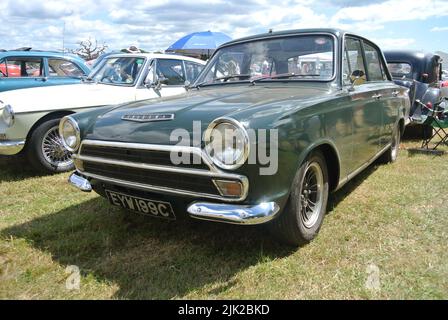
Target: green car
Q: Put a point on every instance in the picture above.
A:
(272, 124)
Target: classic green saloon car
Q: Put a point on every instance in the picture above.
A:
(272, 125)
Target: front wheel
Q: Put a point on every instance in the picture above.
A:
(303, 216)
(46, 151)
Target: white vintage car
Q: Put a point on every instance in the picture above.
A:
(29, 118)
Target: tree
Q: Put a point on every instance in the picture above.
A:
(89, 50)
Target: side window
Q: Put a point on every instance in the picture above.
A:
(192, 70)
(24, 67)
(63, 68)
(172, 70)
(373, 63)
(3, 69)
(353, 65)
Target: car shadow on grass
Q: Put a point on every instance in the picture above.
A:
(148, 258)
(16, 168)
(336, 197)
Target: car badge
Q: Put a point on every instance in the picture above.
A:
(148, 117)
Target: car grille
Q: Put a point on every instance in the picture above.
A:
(149, 167)
(153, 157)
(201, 184)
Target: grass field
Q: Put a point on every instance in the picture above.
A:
(388, 228)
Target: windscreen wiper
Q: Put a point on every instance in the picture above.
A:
(225, 78)
(282, 76)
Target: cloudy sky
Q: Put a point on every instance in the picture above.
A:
(155, 24)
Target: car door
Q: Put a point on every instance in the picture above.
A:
(171, 75)
(365, 99)
(385, 91)
(22, 72)
(62, 71)
(164, 77)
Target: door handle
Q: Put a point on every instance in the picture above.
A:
(377, 96)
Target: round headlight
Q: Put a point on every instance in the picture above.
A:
(227, 143)
(8, 115)
(70, 134)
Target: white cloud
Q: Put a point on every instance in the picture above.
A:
(155, 24)
(438, 29)
(394, 43)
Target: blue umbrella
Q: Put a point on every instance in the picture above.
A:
(200, 42)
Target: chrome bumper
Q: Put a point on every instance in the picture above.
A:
(228, 213)
(11, 147)
(79, 182)
(236, 214)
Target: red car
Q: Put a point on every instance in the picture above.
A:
(13, 70)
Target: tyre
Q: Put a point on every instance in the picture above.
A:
(304, 213)
(45, 150)
(391, 153)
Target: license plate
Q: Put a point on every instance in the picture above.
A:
(145, 206)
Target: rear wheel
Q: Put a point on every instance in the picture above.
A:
(302, 218)
(46, 151)
(391, 154)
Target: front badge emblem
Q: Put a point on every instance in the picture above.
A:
(148, 117)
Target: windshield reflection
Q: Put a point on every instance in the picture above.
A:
(119, 71)
(302, 57)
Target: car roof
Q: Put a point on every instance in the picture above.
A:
(36, 53)
(334, 31)
(156, 56)
(409, 55)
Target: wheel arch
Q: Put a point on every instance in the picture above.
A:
(332, 160)
(48, 116)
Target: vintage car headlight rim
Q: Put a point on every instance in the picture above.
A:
(8, 115)
(238, 155)
(70, 133)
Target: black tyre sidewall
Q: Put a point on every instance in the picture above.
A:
(34, 150)
(288, 227)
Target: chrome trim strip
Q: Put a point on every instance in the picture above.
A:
(11, 147)
(80, 182)
(234, 214)
(153, 147)
(147, 187)
(155, 167)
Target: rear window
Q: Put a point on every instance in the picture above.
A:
(399, 70)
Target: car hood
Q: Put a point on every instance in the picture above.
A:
(71, 96)
(251, 105)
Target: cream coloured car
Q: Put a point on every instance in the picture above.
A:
(29, 118)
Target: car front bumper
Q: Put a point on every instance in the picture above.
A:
(220, 212)
(11, 147)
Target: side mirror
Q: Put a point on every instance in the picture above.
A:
(187, 84)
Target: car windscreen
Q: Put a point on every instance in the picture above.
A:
(292, 58)
(119, 71)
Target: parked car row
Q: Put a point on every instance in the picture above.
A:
(259, 135)
(33, 114)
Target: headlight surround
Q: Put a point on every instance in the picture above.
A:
(8, 115)
(70, 133)
(227, 143)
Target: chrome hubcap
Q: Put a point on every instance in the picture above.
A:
(312, 195)
(53, 149)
